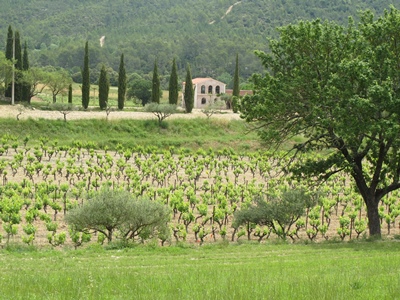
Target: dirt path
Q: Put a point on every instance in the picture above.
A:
(9, 111)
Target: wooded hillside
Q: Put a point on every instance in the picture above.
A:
(206, 34)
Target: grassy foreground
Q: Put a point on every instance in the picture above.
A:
(188, 133)
(362, 270)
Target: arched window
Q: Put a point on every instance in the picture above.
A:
(210, 89)
(203, 101)
(203, 89)
(217, 91)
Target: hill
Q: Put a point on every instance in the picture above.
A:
(206, 34)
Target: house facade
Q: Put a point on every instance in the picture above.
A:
(206, 90)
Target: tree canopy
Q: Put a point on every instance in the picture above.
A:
(337, 87)
(112, 212)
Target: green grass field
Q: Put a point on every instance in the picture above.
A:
(187, 133)
(359, 270)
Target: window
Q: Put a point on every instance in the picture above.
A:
(203, 101)
(203, 89)
(210, 89)
(217, 91)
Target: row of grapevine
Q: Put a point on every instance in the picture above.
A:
(202, 188)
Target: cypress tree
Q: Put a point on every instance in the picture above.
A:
(18, 66)
(26, 88)
(104, 88)
(155, 87)
(188, 96)
(70, 93)
(121, 83)
(9, 56)
(173, 85)
(86, 78)
(236, 89)
(18, 51)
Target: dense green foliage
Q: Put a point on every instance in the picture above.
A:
(145, 30)
(338, 87)
(70, 93)
(121, 83)
(173, 88)
(57, 81)
(18, 67)
(116, 212)
(86, 78)
(140, 88)
(155, 85)
(188, 95)
(161, 111)
(25, 88)
(236, 87)
(9, 56)
(104, 88)
(279, 213)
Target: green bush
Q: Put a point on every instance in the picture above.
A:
(118, 214)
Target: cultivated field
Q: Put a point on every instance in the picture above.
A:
(41, 178)
(202, 188)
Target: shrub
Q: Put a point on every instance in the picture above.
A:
(118, 214)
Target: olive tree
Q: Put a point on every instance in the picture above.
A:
(161, 111)
(279, 213)
(117, 213)
(338, 87)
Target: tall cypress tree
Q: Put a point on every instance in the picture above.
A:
(104, 88)
(155, 87)
(86, 78)
(121, 83)
(188, 96)
(18, 66)
(9, 56)
(173, 85)
(26, 88)
(70, 93)
(236, 89)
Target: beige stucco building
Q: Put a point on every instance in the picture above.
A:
(206, 90)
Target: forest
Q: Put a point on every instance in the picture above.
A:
(206, 34)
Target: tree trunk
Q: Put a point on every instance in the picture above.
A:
(374, 223)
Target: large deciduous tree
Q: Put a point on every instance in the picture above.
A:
(86, 78)
(121, 83)
(140, 89)
(338, 87)
(155, 87)
(5, 71)
(57, 81)
(173, 85)
(36, 79)
(104, 88)
(188, 96)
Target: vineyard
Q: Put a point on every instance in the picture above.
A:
(202, 189)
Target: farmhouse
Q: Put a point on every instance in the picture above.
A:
(206, 90)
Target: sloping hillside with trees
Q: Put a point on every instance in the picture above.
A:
(206, 34)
